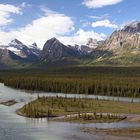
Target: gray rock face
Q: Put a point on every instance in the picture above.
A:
(133, 27)
(124, 39)
(122, 47)
(54, 50)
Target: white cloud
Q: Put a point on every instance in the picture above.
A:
(86, 24)
(41, 29)
(5, 12)
(46, 27)
(47, 11)
(51, 24)
(100, 17)
(24, 5)
(100, 3)
(104, 23)
(81, 37)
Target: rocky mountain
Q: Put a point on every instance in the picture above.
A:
(123, 46)
(34, 48)
(94, 43)
(54, 50)
(17, 54)
(127, 37)
(81, 49)
(22, 50)
(133, 27)
(10, 59)
(88, 48)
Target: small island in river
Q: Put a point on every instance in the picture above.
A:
(9, 103)
(78, 109)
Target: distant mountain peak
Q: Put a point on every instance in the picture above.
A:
(92, 43)
(133, 27)
(134, 24)
(34, 44)
(54, 50)
(34, 48)
(15, 41)
(54, 40)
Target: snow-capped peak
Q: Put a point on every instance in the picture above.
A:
(16, 44)
(17, 47)
(34, 46)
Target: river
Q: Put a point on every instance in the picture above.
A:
(14, 127)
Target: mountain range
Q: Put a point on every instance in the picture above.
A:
(121, 48)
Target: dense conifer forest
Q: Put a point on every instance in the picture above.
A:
(111, 81)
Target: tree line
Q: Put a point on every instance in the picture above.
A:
(109, 81)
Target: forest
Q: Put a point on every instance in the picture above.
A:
(108, 81)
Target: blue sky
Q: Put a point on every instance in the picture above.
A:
(71, 21)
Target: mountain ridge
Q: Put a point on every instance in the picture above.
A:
(122, 47)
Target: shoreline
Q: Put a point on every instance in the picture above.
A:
(120, 99)
(97, 96)
(72, 118)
